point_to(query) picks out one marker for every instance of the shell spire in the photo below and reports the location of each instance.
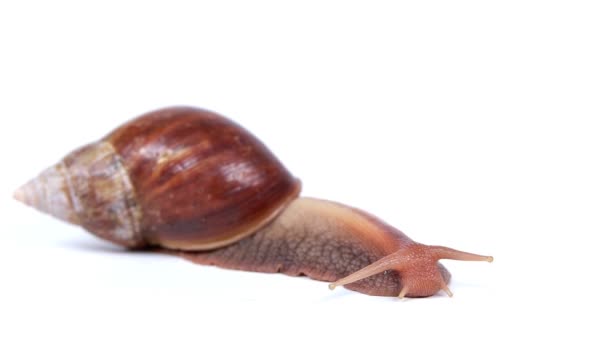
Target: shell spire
(48, 193)
(90, 188)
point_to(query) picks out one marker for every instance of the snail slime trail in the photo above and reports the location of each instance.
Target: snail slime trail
(193, 183)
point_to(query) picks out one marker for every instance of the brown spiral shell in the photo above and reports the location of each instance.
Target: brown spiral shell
(180, 177)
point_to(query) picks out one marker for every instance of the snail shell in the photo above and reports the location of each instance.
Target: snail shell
(180, 178)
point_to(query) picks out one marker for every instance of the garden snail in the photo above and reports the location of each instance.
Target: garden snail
(193, 183)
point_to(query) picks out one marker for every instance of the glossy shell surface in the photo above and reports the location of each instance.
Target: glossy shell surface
(180, 177)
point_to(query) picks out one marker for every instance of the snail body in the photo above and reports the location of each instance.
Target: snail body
(193, 183)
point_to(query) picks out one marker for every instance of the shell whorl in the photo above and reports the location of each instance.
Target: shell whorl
(89, 187)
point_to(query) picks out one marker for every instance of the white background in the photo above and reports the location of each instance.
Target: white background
(479, 125)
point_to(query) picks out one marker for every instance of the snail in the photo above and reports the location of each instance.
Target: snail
(191, 182)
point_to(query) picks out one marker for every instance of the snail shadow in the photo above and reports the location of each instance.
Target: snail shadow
(96, 246)
(337, 294)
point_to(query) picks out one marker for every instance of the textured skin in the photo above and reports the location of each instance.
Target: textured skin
(318, 239)
(201, 180)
